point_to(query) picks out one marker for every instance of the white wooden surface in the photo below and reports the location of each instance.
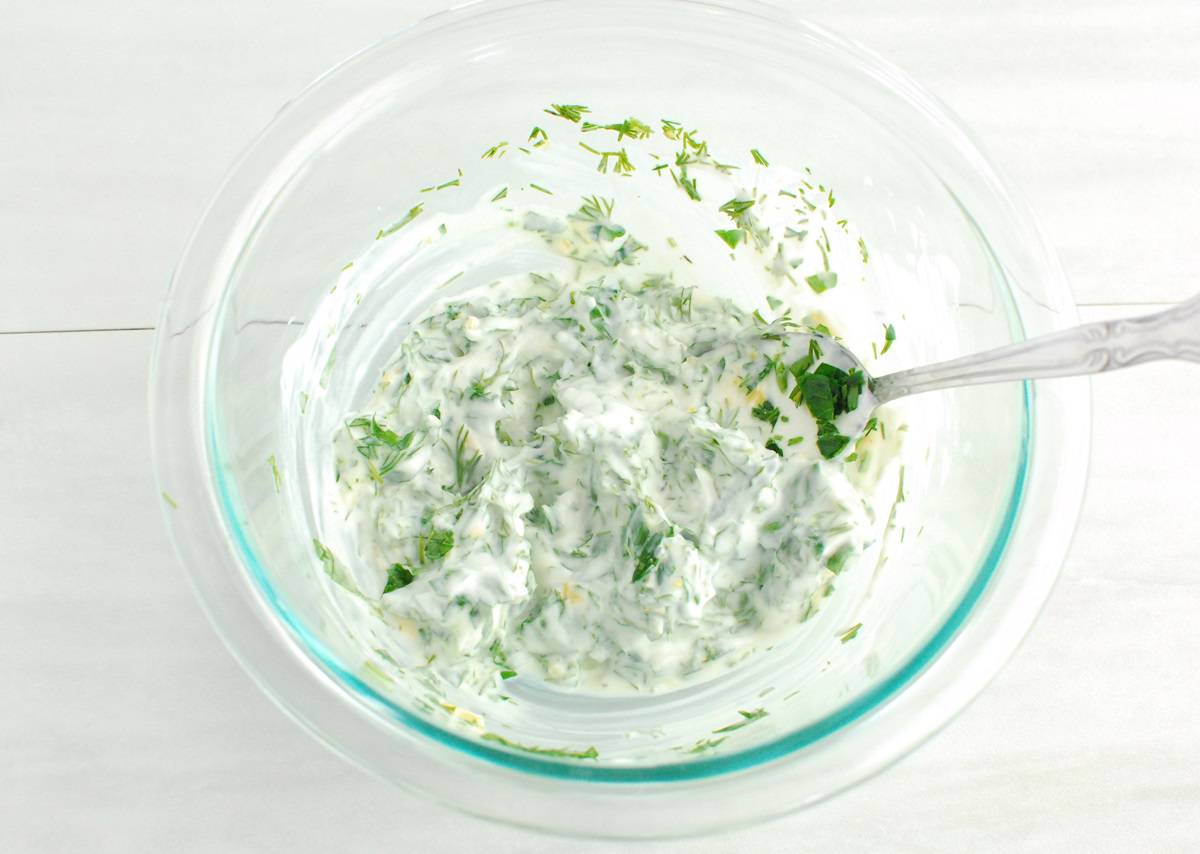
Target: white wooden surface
(125, 726)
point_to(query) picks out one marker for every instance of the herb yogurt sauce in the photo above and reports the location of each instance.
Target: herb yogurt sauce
(613, 483)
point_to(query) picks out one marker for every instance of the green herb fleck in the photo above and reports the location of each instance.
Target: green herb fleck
(496, 151)
(829, 441)
(500, 195)
(631, 128)
(747, 719)
(412, 214)
(590, 753)
(889, 335)
(642, 545)
(622, 165)
(540, 189)
(758, 157)
(731, 236)
(538, 137)
(275, 472)
(766, 411)
(570, 112)
(821, 282)
(464, 464)
(818, 396)
(332, 568)
(851, 633)
(705, 744)
(735, 208)
(436, 546)
(837, 561)
(398, 576)
(167, 498)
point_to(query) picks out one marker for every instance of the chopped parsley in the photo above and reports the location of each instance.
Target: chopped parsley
(731, 236)
(398, 576)
(435, 546)
(766, 411)
(821, 282)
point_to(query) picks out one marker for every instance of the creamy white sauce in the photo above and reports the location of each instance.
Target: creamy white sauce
(571, 482)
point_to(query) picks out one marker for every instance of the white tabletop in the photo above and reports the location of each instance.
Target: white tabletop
(126, 726)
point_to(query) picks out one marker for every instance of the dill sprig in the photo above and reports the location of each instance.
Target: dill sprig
(631, 128)
(570, 112)
(747, 719)
(373, 440)
(598, 211)
(453, 182)
(622, 164)
(412, 214)
(495, 151)
(590, 753)
(465, 465)
(538, 137)
(735, 208)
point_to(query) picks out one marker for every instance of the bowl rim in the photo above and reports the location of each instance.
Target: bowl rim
(177, 359)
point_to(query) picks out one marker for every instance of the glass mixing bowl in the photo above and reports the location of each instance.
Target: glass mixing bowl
(991, 501)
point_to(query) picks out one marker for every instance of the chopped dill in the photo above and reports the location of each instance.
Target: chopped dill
(590, 753)
(412, 214)
(275, 472)
(631, 128)
(570, 112)
(496, 151)
(747, 719)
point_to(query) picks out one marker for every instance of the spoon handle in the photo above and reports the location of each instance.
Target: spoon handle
(1094, 347)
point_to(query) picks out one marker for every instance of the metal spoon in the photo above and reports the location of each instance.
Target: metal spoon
(1088, 349)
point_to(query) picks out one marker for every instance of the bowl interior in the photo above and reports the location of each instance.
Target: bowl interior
(412, 114)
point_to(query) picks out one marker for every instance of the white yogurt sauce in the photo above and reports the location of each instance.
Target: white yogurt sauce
(601, 485)
(598, 476)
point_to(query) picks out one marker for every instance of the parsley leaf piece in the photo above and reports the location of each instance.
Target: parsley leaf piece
(829, 441)
(819, 396)
(398, 576)
(731, 236)
(437, 545)
(766, 411)
(821, 282)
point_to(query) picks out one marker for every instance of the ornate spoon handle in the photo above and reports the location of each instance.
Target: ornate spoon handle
(1088, 349)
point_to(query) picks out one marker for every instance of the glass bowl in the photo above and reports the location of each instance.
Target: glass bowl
(993, 484)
